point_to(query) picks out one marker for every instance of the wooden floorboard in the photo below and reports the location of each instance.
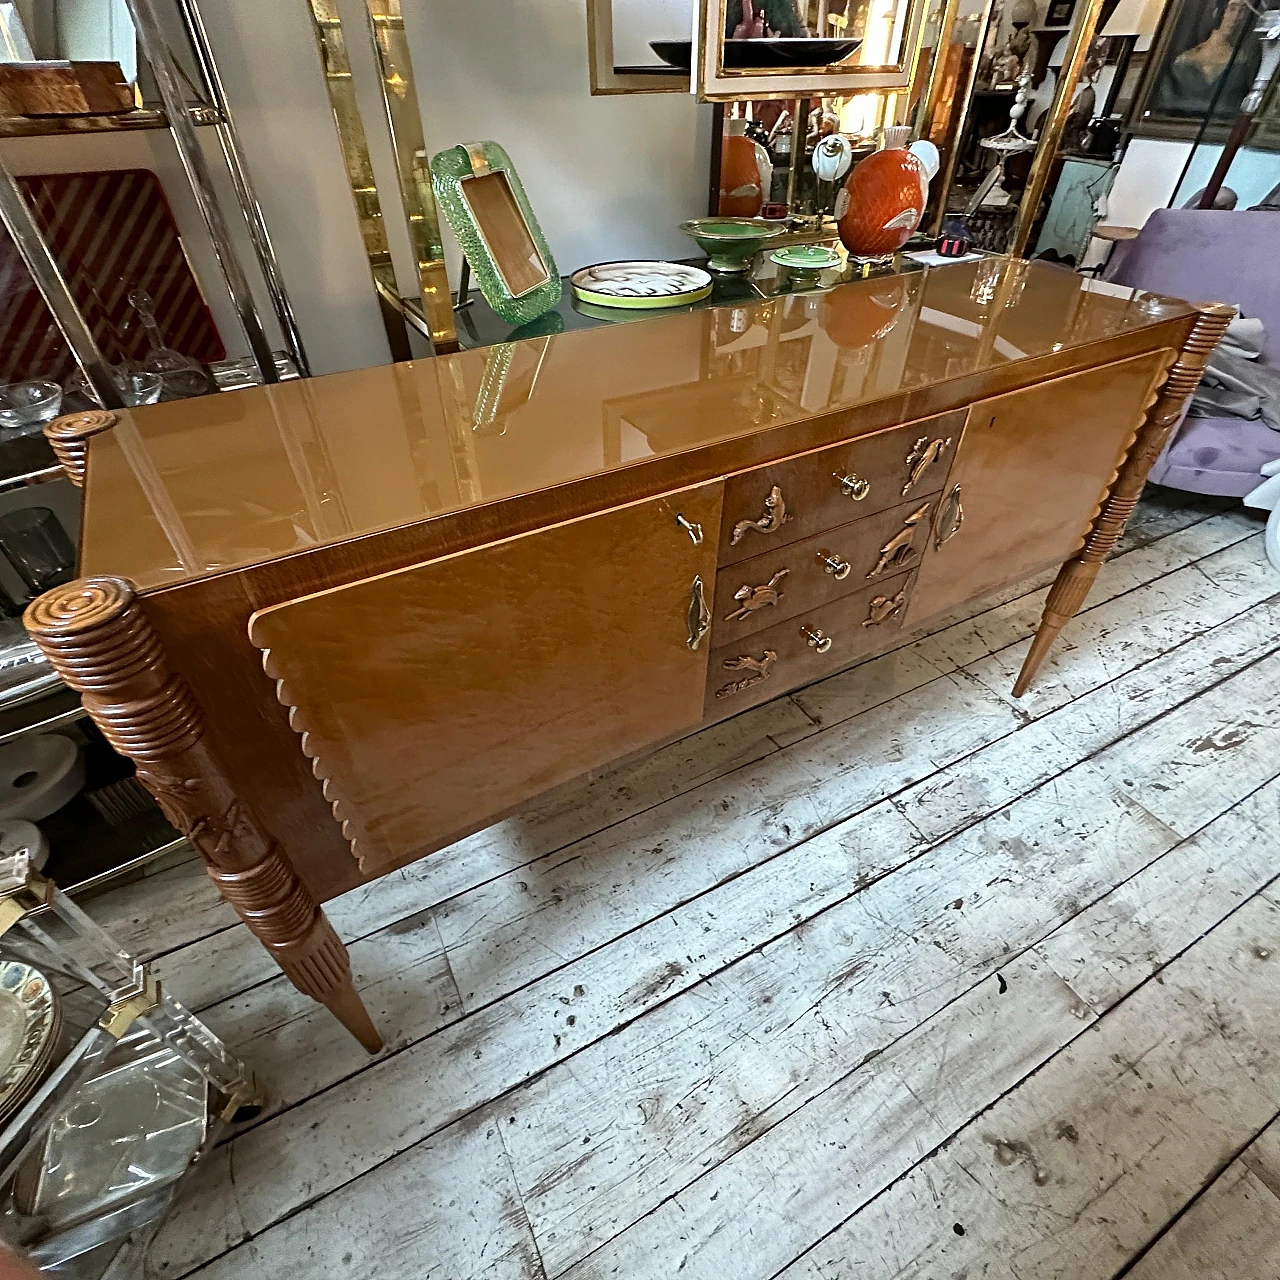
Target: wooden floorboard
(742, 1006)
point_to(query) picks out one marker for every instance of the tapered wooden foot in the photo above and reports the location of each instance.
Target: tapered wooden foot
(97, 638)
(1163, 411)
(1066, 596)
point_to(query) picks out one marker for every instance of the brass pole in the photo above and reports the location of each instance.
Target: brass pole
(951, 153)
(933, 90)
(1051, 135)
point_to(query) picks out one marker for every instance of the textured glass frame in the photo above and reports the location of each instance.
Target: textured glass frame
(450, 170)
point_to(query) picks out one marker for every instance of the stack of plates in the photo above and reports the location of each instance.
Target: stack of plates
(30, 1029)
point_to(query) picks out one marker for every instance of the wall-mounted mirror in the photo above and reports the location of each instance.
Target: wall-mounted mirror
(799, 48)
(620, 39)
(730, 50)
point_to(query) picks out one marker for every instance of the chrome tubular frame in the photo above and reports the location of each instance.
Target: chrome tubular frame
(150, 34)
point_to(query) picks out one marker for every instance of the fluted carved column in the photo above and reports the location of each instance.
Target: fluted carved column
(95, 635)
(1077, 576)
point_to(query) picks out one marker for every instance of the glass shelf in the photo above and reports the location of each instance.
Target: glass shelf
(48, 126)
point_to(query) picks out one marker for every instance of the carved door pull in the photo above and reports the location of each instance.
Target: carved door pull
(761, 668)
(853, 485)
(837, 568)
(950, 518)
(885, 607)
(752, 598)
(924, 453)
(699, 614)
(901, 547)
(775, 516)
(693, 530)
(816, 640)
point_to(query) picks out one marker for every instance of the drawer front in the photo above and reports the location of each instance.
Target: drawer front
(788, 501)
(767, 589)
(794, 653)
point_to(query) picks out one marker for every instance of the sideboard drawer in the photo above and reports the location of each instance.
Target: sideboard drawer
(793, 653)
(769, 588)
(788, 501)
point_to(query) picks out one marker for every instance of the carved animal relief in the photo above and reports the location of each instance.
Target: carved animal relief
(775, 516)
(752, 598)
(885, 607)
(924, 453)
(761, 668)
(901, 547)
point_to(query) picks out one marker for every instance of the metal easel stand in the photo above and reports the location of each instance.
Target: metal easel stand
(136, 1018)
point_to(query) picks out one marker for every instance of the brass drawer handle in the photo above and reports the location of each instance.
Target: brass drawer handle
(902, 546)
(693, 530)
(950, 518)
(924, 453)
(853, 485)
(699, 614)
(837, 568)
(817, 640)
(760, 668)
(775, 516)
(751, 598)
(883, 608)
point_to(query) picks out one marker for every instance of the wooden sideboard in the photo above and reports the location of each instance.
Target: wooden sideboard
(341, 623)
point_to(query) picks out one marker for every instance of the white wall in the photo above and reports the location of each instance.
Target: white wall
(608, 177)
(1149, 175)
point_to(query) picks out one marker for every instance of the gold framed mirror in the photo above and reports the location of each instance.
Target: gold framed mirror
(765, 49)
(619, 50)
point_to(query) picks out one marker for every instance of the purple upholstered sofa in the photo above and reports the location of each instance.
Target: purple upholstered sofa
(1216, 255)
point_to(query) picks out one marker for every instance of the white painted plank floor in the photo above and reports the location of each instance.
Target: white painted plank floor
(894, 977)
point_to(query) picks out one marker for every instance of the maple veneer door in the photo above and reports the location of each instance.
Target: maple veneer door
(1030, 471)
(439, 696)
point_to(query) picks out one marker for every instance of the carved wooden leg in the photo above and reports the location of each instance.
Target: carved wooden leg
(1077, 576)
(97, 638)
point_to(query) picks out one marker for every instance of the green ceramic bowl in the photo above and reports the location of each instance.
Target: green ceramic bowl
(806, 261)
(730, 243)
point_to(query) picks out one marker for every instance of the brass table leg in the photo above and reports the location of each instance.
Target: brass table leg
(1077, 576)
(96, 636)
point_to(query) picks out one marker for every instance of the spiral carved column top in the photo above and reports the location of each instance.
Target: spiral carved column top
(94, 634)
(69, 435)
(97, 638)
(1209, 327)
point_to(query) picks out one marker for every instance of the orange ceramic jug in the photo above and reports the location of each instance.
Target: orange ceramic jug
(882, 203)
(745, 174)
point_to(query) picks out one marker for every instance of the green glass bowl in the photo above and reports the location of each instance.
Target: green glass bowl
(730, 243)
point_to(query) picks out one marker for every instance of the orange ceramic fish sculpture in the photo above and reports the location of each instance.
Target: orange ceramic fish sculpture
(882, 203)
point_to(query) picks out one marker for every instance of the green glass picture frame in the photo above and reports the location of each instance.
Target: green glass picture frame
(480, 192)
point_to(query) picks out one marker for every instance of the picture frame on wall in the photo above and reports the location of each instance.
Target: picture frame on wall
(1059, 13)
(1203, 60)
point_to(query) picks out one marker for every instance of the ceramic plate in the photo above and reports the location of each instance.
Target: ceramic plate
(806, 257)
(640, 285)
(30, 1021)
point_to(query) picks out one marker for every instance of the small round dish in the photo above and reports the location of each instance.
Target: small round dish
(805, 261)
(30, 1024)
(640, 285)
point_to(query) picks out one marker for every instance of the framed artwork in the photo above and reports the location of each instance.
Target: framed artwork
(1059, 13)
(1204, 58)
